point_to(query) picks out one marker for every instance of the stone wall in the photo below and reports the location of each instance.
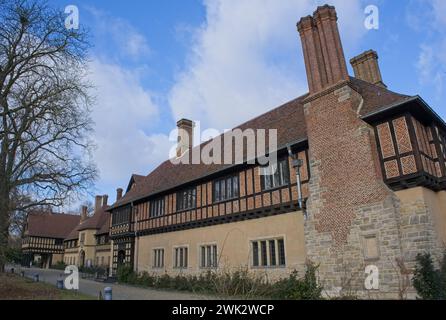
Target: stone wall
(353, 217)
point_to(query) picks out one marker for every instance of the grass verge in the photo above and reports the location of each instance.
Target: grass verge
(14, 287)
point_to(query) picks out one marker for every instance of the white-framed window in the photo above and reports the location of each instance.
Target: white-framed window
(158, 258)
(208, 256)
(268, 253)
(180, 257)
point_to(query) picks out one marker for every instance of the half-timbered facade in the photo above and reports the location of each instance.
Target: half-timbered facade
(43, 241)
(88, 244)
(360, 179)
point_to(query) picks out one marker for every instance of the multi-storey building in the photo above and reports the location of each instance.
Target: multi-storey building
(369, 189)
(88, 243)
(81, 240)
(43, 240)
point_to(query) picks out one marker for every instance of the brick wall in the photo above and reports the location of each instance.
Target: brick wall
(349, 204)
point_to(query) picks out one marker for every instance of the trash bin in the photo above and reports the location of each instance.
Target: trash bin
(59, 284)
(36, 277)
(108, 293)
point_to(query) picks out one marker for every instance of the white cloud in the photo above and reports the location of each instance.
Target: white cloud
(431, 63)
(247, 59)
(123, 114)
(127, 40)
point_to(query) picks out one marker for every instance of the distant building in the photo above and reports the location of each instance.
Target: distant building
(43, 241)
(88, 244)
(75, 240)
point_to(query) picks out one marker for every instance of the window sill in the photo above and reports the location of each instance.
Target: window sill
(268, 267)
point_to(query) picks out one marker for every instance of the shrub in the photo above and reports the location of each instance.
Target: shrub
(60, 265)
(429, 282)
(14, 255)
(294, 288)
(240, 283)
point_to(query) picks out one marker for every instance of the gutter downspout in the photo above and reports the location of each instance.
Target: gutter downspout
(297, 164)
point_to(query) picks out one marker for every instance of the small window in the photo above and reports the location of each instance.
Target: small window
(180, 258)
(157, 208)
(208, 256)
(187, 199)
(276, 175)
(268, 253)
(82, 238)
(226, 188)
(158, 258)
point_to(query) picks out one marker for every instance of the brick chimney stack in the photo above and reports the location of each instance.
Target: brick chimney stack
(366, 67)
(119, 194)
(97, 203)
(104, 200)
(84, 214)
(185, 136)
(321, 43)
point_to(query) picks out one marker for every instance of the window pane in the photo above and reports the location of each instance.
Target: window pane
(281, 246)
(181, 257)
(272, 252)
(203, 257)
(185, 257)
(222, 190)
(162, 258)
(214, 256)
(255, 254)
(285, 172)
(217, 191)
(235, 186)
(263, 252)
(229, 188)
(209, 256)
(276, 176)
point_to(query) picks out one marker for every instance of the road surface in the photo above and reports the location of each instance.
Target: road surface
(120, 292)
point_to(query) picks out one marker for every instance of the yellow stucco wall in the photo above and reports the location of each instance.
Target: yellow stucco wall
(435, 201)
(56, 258)
(98, 255)
(233, 242)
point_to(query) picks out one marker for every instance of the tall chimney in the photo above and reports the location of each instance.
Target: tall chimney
(366, 67)
(323, 54)
(119, 194)
(97, 203)
(104, 200)
(185, 136)
(84, 214)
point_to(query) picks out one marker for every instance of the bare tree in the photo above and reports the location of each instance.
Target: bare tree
(44, 110)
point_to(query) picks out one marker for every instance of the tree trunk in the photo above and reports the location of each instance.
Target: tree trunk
(4, 226)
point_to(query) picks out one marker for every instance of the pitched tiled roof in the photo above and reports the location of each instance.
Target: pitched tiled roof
(51, 225)
(289, 121)
(100, 221)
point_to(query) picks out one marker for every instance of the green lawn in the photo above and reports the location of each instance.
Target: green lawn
(14, 287)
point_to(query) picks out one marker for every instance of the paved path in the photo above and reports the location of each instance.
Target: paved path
(120, 292)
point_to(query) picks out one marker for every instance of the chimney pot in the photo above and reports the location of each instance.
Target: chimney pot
(119, 194)
(104, 200)
(84, 214)
(366, 68)
(97, 203)
(185, 136)
(322, 48)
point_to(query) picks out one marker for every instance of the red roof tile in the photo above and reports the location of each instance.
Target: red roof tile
(51, 225)
(289, 121)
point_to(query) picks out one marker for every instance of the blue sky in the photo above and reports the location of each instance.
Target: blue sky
(223, 62)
